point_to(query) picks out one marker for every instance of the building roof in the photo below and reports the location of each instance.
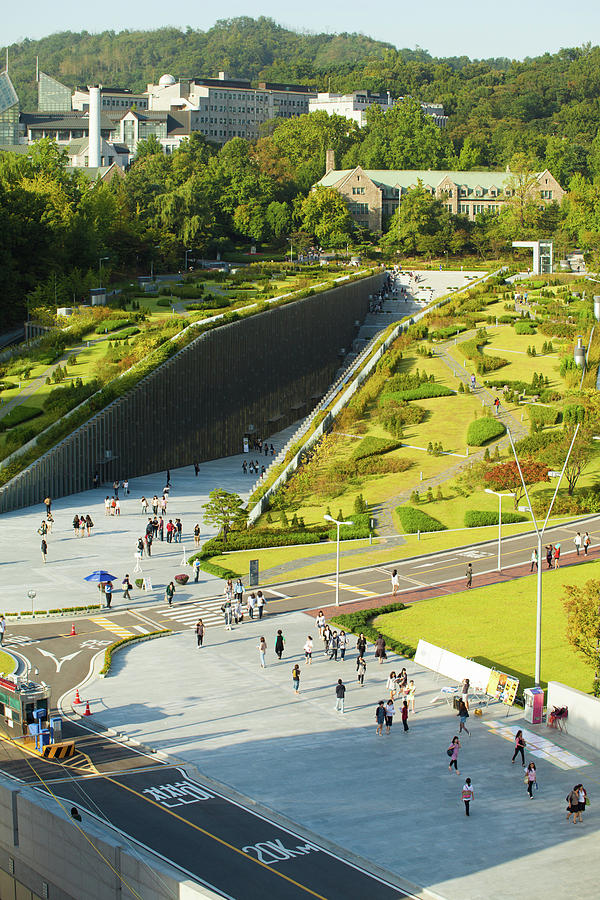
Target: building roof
(23, 149)
(8, 95)
(74, 119)
(79, 146)
(104, 173)
(407, 178)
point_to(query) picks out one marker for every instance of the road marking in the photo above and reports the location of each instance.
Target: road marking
(141, 630)
(58, 662)
(351, 588)
(110, 626)
(214, 837)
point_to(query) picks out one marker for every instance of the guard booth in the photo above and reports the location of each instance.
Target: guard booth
(19, 700)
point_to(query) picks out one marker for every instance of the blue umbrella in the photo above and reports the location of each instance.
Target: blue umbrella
(100, 575)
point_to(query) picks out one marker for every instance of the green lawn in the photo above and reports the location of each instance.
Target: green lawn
(7, 663)
(495, 626)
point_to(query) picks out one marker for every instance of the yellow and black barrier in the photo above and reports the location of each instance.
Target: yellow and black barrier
(59, 751)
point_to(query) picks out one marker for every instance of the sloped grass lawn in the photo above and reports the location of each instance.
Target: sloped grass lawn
(495, 626)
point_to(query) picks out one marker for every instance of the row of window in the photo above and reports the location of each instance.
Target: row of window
(358, 190)
(358, 208)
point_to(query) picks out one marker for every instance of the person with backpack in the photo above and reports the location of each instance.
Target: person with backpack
(199, 632)
(296, 678)
(587, 542)
(467, 794)
(169, 591)
(530, 779)
(126, 585)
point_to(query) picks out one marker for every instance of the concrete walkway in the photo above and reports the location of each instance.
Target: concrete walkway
(391, 798)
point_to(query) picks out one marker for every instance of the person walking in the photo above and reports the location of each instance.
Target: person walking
(126, 486)
(144, 505)
(169, 591)
(520, 744)
(2, 628)
(227, 613)
(262, 649)
(334, 646)
(390, 711)
(161, 528)
(89, 524)
(76, 524)
(50, 522)
(48, 505)
(279, 644)
(464, 691)
(361, 668)
(296, 678)
(260, 604)
(469, 575)
(178, 531)
(572, 799)
(320, 622)
(577, 542)
(583, 802)
(107, 506)
(391, 685)
(196, 469)
(326, 638)
(149, 540)
(467, 795)
(549, 554)
(395, 582)
(140, 548)
(380, 649)
(340, 693)
(530, 779)
(238, 592)
(534, 560)
(199, 632)
(308, 650)
(196, 535)
(196, 568)
(44, 549)
(251, 604)
(380, 717)
(463, 715)
(404, 714)
(452, 752)
(411, 696)
(127, 586)
(108, 592)
(342, 643)
(361, 645)
(557, 556)
(586, 543)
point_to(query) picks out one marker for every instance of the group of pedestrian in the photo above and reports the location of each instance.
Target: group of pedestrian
(384, 715)
(158, 504)
(112, 506)
(253, 468)
(82, 525)
(233, 604)
(401, 688)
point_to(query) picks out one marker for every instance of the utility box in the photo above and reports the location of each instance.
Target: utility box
(56, 729)
(534, 705)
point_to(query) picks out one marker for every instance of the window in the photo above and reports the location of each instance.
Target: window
(546, 195)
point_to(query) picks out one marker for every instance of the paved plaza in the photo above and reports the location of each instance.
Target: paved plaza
(389, 799)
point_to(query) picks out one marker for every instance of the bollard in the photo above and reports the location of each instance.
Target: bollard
(467, 451)
(419, 535)
(521, 417)
(420, 476)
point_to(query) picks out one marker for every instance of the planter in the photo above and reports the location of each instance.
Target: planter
(182, 579)
(139, 583)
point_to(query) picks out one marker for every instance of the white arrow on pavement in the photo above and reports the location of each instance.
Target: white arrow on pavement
(63, 659)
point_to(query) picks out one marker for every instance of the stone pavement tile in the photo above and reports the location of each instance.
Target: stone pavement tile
(390, 799)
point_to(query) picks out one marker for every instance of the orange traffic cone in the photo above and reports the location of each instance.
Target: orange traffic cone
(73, 632)
(87, 709)
(77, 697)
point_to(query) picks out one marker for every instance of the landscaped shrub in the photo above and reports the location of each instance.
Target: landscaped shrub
(483, 362)
(476, 518)
(483, 430)
(18, 415)
(525, 326)
(443, 334)
(542, 415)
(118, 645)
(360, 621)
(373, 446)
(423, 392)
(127, 333)
(250, 540)
(413, 520)
(573, 413)
(109, 325)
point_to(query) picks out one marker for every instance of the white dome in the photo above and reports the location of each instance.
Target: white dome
(167, 79)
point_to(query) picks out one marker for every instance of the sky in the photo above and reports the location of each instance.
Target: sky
(512, 28)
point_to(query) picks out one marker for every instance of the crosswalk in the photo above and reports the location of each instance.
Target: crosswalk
(103, 622)
(189, 613)
(351, 588)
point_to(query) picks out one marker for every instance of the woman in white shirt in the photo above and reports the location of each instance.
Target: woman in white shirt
(320, 623)
(308, 648)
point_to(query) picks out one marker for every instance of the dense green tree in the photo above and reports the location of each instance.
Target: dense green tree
(326, 216)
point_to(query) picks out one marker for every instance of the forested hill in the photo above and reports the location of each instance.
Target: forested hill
(243, 47)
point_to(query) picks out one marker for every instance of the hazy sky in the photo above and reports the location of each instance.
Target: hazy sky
(513, 28)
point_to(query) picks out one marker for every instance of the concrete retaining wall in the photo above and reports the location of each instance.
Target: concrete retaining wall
(583, 721)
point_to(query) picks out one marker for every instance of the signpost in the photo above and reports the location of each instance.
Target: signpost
(253, 573)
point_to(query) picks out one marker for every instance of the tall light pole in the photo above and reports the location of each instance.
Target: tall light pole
(186, 255)
(337, 563)
(100, 261)
(499, 496)
(540, 536)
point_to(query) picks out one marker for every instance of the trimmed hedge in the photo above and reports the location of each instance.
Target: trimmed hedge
(251, 540)
(374, 446)
(414, 520)
(542, 415)
(573, 413)
(109, 325)
(525, 327)
(18, 415)
(483, 430)
(361, 621)
(118, 645)
(450, 331)
(423, 392)
(475, 518)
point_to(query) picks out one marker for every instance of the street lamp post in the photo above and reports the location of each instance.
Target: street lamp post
(540, 536)
(337, 556)
(186, 256)
(499, 496)
(100, 261)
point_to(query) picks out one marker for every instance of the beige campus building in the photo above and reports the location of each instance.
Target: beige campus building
(373, 195)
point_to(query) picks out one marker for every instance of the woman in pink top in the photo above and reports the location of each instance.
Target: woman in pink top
(453, 754)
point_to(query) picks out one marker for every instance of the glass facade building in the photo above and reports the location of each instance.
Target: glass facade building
(52, 95)
(9, 111)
